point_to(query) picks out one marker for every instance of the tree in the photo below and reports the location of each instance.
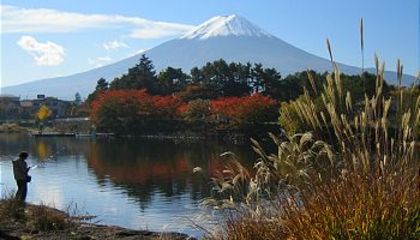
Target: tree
(77, 99)
(271, 81)
(101, 86)
(131, 111)
(237, 82)
(222, 79)
(141, 76)
(242, 110)
(257, 80)
(194, 91)
(198, 109)
(171, 80)
(41, 115)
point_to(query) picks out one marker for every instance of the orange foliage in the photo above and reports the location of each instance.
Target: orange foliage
(126, 110)
(254, 108)
(137, 102)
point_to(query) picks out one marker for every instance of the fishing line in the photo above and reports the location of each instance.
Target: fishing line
(41, 163)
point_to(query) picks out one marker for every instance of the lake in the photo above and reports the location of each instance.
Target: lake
(133, 183)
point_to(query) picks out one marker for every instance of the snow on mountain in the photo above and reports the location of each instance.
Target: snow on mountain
(232, 25)
(232, 38)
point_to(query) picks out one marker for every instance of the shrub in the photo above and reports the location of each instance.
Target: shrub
(198, 109)
(249, 109)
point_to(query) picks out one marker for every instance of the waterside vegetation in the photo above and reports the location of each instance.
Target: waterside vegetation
(219, 97)
(347, 167)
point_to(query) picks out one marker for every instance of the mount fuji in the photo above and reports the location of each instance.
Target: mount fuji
(232, 38)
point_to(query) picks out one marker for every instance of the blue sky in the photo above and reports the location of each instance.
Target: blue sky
(42, 39)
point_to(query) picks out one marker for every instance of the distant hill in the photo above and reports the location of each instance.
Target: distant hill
(232, 38)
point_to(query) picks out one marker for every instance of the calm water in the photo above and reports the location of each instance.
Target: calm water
(140, 184)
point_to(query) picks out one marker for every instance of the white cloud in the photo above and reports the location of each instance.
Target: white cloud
(42, 20)
(137, 52)
(44, 54)
(99, 61)
(114, 45)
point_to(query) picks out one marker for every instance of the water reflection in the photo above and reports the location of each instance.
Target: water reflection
(41, 149)
(144, 167)
(130, 182)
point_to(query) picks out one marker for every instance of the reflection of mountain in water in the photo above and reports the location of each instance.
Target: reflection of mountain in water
(145, 168)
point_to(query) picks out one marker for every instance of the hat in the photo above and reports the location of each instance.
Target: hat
(23, 155)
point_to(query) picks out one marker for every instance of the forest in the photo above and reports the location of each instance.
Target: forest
(219, 96)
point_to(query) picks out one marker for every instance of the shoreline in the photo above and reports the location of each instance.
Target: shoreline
(48, 223)
(235, 138)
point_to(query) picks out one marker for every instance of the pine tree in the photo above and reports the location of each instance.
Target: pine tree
(141, 76)
(102, 85)
(171, 80)
(77, 99)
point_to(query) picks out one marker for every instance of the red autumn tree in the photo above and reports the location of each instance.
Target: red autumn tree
(250, 109)
(126, 110)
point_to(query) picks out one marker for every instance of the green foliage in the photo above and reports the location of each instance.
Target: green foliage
(77, 99)
(195, 91)
(198, 109)
(171, 80)
(223, 79)
(101, 86)
(288, 118)
(141, 76)
(294, 117)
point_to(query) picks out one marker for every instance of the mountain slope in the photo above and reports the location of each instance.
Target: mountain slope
(231, 38)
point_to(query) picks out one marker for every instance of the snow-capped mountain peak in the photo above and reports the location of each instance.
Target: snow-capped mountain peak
(232, 25)
(232, 38)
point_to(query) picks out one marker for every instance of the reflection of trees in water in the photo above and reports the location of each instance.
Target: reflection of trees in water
(144, 168)
(11, 144)
(41, 148)
(141, 167)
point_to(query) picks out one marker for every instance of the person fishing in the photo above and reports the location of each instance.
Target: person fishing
(20, 172)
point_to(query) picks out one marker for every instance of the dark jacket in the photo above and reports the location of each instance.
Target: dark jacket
(20, 169)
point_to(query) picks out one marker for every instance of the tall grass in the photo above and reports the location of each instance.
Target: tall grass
(28, 217)
(11, 209)
(354, 175)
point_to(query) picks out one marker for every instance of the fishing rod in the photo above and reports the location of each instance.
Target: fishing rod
(49, 158)
(40, 165)
(42, 162)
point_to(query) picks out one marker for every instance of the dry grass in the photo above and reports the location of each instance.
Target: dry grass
(35, 217)
(44, 218)
(11, 209)
(12, 128)
(348, 208)
(355, 175)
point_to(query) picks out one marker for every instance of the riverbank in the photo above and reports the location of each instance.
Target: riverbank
(46, 223)
(13, 128)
